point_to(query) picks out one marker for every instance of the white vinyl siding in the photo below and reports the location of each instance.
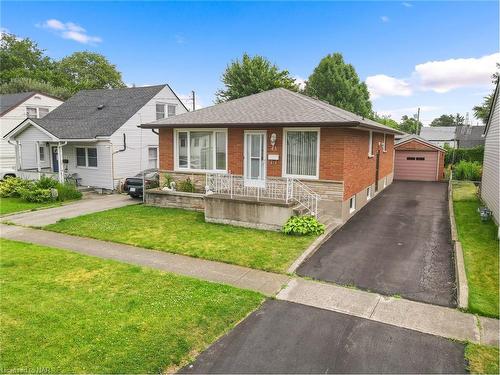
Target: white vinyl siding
(490, 182)
(301, 153)
(201, 149)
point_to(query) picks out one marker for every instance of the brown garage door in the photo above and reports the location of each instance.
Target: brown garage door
(415, 165)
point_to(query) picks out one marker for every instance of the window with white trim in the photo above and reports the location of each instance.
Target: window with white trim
(384, 148)
(86, 157)
(203, 150)
(352, 204)
(42, 153)
(368, 193)
(171, 108)
(301, 153)
(31, 112)
(370, 144)
(42, 112)
(152, 157)
(160, 111)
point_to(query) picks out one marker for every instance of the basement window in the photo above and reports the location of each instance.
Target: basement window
(370, 144)
(352, 204)
(368, 193)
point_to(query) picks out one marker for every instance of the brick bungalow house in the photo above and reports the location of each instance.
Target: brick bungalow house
(277, 145)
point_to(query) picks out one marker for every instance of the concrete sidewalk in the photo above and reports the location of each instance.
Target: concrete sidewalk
(91, 203)
(436, 320)
(417, 316)
(265, 282)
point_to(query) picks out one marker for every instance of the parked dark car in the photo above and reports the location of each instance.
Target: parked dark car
(133, 185)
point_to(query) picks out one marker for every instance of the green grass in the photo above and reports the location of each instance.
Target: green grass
(482, 359)
(70, 313)
(464, 191)
(186, 232)
(480, 245)
(10, 205)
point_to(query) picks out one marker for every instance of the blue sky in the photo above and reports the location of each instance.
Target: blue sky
(436, 55)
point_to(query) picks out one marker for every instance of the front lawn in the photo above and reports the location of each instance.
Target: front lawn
(480, 245)
(482, 359)
(10, 205)
(62, 312)
(186, 232)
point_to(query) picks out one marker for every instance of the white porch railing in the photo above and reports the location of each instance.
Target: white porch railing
(35, 175)
(284, 189)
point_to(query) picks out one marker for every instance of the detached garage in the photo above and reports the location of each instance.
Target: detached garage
(417, 159)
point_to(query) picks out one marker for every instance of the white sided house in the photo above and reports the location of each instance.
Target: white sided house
(490, 189)
(94, 137)
(14, 108)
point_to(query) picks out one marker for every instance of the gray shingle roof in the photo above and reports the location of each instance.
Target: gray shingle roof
(9, 101)
(279, 107)
(409, 137)
(438, 133)
(470, 136)
(80, 117)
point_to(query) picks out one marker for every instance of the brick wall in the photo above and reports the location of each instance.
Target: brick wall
(343, 157)
(359, 168)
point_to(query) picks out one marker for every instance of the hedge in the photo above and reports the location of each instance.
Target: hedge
(454, 156)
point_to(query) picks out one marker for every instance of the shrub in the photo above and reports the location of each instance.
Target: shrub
(455, 156)
(186, 186)
(36, 195)
(467, 170)
(303, 225)
(67, 191)
(46, 183)
(11, 187)
(167, 180)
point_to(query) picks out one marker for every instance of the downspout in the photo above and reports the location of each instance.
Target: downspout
(113, 158)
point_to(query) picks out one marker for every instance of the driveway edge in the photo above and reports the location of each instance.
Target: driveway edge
(460, 275)
(329, 231)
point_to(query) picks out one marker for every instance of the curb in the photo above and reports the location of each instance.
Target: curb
(460, 275)
(329, 231)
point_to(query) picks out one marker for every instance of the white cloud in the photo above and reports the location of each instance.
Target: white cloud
(438, 76)
(384, 19)
(406, 4)
(382, 85)
(300, 81)
(70, 30)
(446, 75)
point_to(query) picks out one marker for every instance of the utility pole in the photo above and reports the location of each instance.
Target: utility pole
(194, 100)
(417, 116)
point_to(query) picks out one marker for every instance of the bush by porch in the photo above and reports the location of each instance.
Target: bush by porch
(186, 232)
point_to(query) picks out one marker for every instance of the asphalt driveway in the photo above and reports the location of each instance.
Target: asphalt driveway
(398, 244)
(284, 337)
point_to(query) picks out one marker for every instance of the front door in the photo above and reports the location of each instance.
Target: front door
(255, 159)
(55, 159)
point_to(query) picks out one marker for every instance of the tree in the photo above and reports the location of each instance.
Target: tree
(88, 70)
(23, 58)
(387, 121)
(410, 125)
(444, 120)
(482, 111)
(448, 120)
(250, 76)
(337, 83)
(16, 85)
